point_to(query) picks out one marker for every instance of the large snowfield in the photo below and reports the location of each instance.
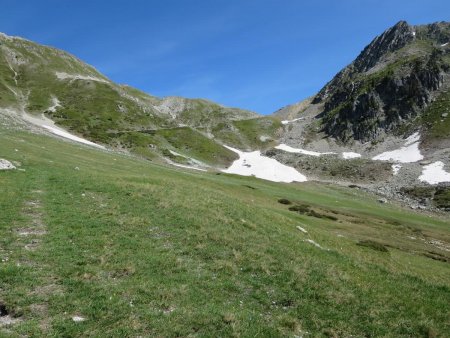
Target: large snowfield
(254, 164)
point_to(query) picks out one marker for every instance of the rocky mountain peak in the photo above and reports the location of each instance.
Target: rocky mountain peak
(392, 82)
(391, 40)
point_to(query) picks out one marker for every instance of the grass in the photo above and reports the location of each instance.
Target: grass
(140, 249)
(193, 144)
(373, 245)
(438, 126)
(258, 133)
(107, 113)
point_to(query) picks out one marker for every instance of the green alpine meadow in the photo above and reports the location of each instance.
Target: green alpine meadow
(140, 249)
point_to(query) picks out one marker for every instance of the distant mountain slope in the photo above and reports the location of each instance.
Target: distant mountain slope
(39, 79)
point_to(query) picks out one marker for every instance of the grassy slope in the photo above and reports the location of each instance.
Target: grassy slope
(247, 133)
(141, 249)
(438, 126)
(105, 112)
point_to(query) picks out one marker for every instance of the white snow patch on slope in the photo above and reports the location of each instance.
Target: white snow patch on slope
(350, 155)
(254, 164)
(186, 166)
(290, 149)
(445, 44)
(412, 139)
(290, 121)
(6, 165)
(191, 159)
(302, 229)
(407, 154)
(65, 76)
(315, 244)
(48, 124)
(55, 104)
(396, 168)
(434, 173)
(175, 153)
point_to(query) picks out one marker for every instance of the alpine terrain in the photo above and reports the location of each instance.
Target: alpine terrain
(383, 122)
(123, 214)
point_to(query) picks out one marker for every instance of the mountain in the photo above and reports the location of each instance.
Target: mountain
(382, 122)
(99, 242)
(400, 82)
(36, 79)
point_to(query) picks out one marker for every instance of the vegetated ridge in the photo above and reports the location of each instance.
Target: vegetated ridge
(36, 79)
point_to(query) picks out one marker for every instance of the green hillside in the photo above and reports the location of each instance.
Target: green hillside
(38, 79)
(139, 249)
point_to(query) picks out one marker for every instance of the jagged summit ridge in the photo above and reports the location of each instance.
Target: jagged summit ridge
(393, 80)
(391, 40)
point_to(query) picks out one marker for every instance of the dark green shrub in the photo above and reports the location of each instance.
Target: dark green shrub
(372, 245)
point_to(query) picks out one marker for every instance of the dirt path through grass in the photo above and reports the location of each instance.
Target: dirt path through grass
(32, 234)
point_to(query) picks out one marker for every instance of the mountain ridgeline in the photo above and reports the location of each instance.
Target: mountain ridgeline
(36, 79)
(399, 82)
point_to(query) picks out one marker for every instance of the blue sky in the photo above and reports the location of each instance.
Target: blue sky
(254, 54)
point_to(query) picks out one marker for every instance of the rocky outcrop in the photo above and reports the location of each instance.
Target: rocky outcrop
(392, 81)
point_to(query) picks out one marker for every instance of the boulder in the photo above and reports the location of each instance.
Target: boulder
(6, 165)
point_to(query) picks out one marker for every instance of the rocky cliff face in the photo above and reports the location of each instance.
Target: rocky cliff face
(393, 81)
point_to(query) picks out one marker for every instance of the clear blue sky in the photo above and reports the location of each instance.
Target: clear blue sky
(254, 54)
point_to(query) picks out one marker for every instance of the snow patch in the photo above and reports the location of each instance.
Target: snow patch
(301, 229)
(407, 154)
(290, 149)
(396, 168)
(254, 164)
(6, 165)
(48, 124)
(55, 104)
(175, 153)
(445, 44)
(350, 155)
(186, 166)
(434, 173)
(191, 159)
(412, 139)
(315, 244)
(290, 121)
(65, 76)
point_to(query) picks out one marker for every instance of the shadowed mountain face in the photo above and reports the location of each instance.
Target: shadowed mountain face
(399, 82)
